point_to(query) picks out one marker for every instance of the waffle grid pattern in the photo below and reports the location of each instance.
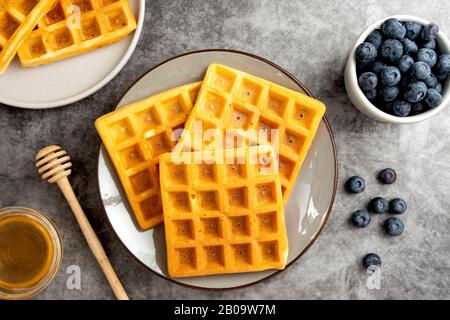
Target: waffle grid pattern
(235, 101)
(223, 216)
(135, 136)
(17, 20)
(61, 34)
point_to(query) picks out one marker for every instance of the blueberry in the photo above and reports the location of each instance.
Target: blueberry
(368, 81)
(366, 53)
(391, 50)
(413, 29)
(387, 176)
(441, 77)
(375, 38)
(371, 94)
(390, 76)
(370, 260)
(438, 88)
(431, 81)
(379, 205)
(443, 64)
(420, 71)
(361, 218)
(404, 63)
(409, 47)
(416, 91)
(428, 56)
(430, 32)
(418, 108)
(393, 29)
(401, 108)
(377, 67)
(389, 94)
(433, 98)
(394, 227)
(356, 184)
(397, 206)
(428, 44)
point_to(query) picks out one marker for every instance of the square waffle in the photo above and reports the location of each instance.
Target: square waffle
(135, 136)
(75, 27)
(17, 20)
(223, 212)
(238, 104)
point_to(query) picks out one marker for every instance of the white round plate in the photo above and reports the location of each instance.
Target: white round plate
(69, 80)
(310, 202)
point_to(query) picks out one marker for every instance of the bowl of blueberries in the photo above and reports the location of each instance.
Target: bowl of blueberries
(398, 70)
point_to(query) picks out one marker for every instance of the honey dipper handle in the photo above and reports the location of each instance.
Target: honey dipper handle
(92, 240)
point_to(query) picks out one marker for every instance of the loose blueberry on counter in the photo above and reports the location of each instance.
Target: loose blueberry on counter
(420, 71)
(366, 53)
(418, 108)
(393, 29)
(387, 176)
(409, 47)
(434, 98)
(443, 65)
(394, 227)
(378, 66)
(379, 205)
(413, 29)
(390, 76)
(370, 260)
(404, 63)
(375, 38)
(428, 44)
(391, 50)
(356, 184)
(430, 32)
(397, 206)
(416, 91)
(368, 81)
(428, 56)
(401, 108)
(389, 94)
(371, 94)
(361, 218)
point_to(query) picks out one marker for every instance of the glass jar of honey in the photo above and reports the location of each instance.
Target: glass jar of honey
(30, 252)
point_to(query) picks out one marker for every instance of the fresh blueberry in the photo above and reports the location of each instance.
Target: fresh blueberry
(441, 77)
(397, 206)
(404, 63)
(368, 81)
(366, 53)
(431, 81)
(370, 260)
(361, 218)
(430, 32)
(371, 94)
(420, 71)
(391, 50)
(379, 205)
(443, 64)
(433, 98)
(389, 94)
(428, 56)
(387, 176)
(416, 91)
(409, 47)
(390, 76)
(393, 29)
(377, 67)
(375, 38)
(413, 29)
(438, 88)
(418, 108)
(356, 184)
(394, 227)
(401, 108)
(428, 44)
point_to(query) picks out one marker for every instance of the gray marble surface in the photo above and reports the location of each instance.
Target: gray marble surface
(311, 39)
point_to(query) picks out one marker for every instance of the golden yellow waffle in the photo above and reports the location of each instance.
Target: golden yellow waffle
(135, 136)
(235, 101)
(74, 27)
(17, 20)
(223, 214)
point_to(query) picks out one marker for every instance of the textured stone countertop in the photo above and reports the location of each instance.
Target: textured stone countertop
(311, 39)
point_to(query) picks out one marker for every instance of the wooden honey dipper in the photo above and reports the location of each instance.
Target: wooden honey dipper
(54, 165)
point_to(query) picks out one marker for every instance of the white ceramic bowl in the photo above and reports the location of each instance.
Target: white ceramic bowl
(364, 105)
